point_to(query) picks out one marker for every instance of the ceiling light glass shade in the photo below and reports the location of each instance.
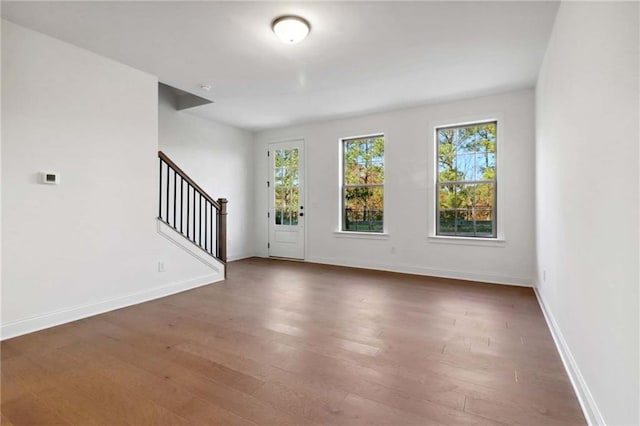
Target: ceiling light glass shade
(290, 29)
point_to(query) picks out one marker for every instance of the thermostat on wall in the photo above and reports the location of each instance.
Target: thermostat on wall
(50, 178)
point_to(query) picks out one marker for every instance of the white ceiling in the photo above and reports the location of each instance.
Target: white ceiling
(359, 57)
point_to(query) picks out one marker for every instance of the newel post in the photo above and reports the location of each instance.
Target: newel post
(222, 232)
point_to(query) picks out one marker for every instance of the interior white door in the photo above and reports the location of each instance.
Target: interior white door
(286, 199)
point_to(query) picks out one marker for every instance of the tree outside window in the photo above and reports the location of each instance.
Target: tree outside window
(286, 186)
(363, 184)
(466, 180)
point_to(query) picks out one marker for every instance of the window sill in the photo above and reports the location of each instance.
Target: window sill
(467, 241)
(362, 235)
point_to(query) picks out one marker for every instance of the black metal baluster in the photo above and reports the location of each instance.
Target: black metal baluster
(214, 235)
(196, 235)
(160, 192)
(193, 235)
(200, 220)
(175, 188)
(212, 245)
(217, 232)
(204, 219)
(167, 218)
(206, 224)
(188, 202)
(181, 202)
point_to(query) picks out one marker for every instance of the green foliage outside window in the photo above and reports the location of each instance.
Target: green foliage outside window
(363, 180)
(467, 180)
(286, 187)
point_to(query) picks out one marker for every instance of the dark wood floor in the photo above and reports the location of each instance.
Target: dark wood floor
(286, 343)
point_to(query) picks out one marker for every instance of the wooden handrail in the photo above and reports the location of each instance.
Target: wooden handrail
(187, 179)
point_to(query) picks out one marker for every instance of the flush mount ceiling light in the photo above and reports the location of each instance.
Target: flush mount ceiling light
(290, 29)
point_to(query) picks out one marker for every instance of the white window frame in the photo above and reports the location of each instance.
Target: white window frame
(341, 232)
(432, 237)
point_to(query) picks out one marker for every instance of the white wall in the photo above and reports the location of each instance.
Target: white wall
(220, 159)
(0, 174)
(409, 198)
(91, 243)
(587, 202)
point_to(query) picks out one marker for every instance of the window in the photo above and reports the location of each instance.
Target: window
(466, 180)
(363, 184)
(286, 186)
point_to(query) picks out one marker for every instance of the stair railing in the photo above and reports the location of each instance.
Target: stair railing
(189, 210)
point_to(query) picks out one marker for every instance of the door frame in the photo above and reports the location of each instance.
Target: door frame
(303, 141)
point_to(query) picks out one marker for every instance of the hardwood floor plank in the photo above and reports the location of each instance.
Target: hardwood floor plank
(216, 371)
(356, 410)
(529, 414)
(20, 375)
(305, 405)
(29, 410)
(104, 402)
(4, 420)
(291, 343)
(7, 351)
(220, 394)
(163, 392)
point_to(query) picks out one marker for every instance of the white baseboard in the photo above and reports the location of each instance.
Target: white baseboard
(240, 257)
(51, 319)
(587, 402)
(431, 272)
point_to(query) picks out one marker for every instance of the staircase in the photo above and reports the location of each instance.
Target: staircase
(187, 209)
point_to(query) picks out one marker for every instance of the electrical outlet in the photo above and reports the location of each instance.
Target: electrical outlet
(161, 267)
(544, 275)
(393, 249)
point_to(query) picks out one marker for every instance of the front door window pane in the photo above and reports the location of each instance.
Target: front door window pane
(286, 187)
